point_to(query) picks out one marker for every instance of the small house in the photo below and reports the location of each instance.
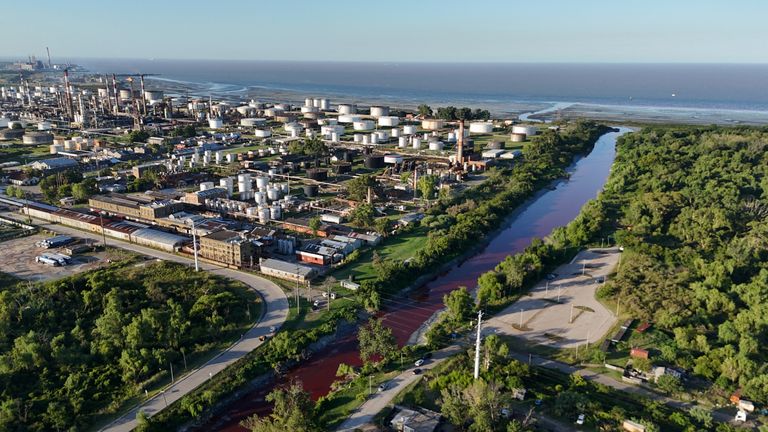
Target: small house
(639, 353)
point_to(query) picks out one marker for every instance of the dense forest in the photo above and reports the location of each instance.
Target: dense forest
(80, 346)
(692, 212)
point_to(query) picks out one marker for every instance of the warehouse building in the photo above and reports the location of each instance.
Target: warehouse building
(229, 247)
(286, 270)
(140, 171)
(131, 206)
(158, 239)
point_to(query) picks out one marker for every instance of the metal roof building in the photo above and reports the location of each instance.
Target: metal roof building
(158, 239)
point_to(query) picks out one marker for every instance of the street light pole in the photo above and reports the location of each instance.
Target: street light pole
(194, 245)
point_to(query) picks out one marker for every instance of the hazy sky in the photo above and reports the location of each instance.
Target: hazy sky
(415, 30)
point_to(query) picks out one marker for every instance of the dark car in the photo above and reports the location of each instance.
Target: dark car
(427, 356)
(416, 371)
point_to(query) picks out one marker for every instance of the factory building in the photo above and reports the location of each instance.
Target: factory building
(229, 247)
(134, 207)
(140, 171)
(202, 196)
(54, 164)
(286, 270)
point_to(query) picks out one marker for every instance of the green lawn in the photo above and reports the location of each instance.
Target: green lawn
(14, 151)
(399, 247)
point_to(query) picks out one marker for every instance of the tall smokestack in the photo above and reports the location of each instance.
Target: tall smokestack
(50, 65)
(116, 93)
(68, 90)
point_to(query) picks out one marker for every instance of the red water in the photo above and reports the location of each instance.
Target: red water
(405, 314)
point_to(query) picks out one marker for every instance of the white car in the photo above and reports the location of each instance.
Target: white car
(419, 362)
(580, 419)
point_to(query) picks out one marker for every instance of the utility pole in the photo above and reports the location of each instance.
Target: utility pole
(194, 245)
(171, 365)
(521, 319)
(103, 233)
(329, 300)
(298, 298)
(570, 320)
(477, 344)
(370, 384)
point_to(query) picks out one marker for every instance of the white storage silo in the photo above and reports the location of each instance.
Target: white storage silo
(285, 187)
(206, 185)
(228, 184)
(218, 157)
(527, 130)
(335, 137)
(349, 118)
(325, 104)
(409, 129)
(402, 142)
(262, 182)
(358, 138)
(366, 139)
(262, 133)
(389, 121)
(251, 211)
(395, 132)
(363, 125)
(275, 212)
(260, 197)
(379, 111)
(416, 143)
(309, 109)
(436, 145)
(481, 127)
(273, 194)
(374, 138)
(264, 214)
(215, 123)
(308, 102)
(347, 109)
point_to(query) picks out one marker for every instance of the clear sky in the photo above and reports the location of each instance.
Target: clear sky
(730, 31)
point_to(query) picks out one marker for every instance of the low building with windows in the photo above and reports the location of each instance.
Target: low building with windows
(146, 208)
(288, 271)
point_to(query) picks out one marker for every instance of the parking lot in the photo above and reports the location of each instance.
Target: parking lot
(19, 260)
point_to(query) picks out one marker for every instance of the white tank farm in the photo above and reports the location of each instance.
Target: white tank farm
(481, 127)
(436, 145)
(327, 121)
(409, 129)
(275, 212)
(293, 127)
(527, 130)
(253, 122)
(389, 121)
(416, 143)
(402, 142)
(271, 112)
(347, 109)
(215, 123)
(244, 182)
(273, 194)
(363, 125)
(382, 135)
(432, 124)
(349, 118)
(330, 129)
(379, 111)
(309, 109)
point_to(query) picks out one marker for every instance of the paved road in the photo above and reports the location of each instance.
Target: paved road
(276, 312)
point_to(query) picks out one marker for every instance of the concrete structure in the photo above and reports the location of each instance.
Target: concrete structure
(55, 164)
(230, 248)
(200, 197)
(133, 207)
(140, 171)
(35, 138)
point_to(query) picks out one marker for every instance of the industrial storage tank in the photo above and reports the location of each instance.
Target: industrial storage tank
(317, 174)
(379, 111)
(402, 142)
(495, 145)
(389, 121)
(215, 123)
(153, 96)
(273, 194)
(527, 130)
(343, 168)
(309, 109)
(393, 159)
(37, 138)
(206, 185)
(263, 214)
(331, 129)
(349, 118)
(325, 104)
(262, 133)
(416, 143)
(347, 109)
(275, 212)
(228, 184)
(253, 122)
(358, 138)
(44, 126)
(363, 125)
(432, 124)
(251, 211)
(395, 132)
(374, 162)
(382, 135)
(481, 127)
(436, 145)
(310, 190)
(260, 197)
(328, 121)
(125, 95)
(409, 129)
(262, 182)
(517, 137)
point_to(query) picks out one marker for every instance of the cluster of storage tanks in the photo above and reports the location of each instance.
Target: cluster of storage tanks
(270, 198)
(315, 104)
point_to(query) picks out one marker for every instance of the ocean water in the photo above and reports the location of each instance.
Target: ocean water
(720, 87)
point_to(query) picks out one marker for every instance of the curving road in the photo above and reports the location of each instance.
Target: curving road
(275, 314)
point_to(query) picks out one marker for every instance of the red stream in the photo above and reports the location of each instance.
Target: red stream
(405, 314)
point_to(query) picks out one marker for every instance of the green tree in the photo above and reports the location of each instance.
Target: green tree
(293, 411)
(701, 415)
(363, 215)
(85, 189)
(424, 110)
(357, 188)
(383, 226)
(453, 406)
(669, 384)
(137, 136)
(459, 303)
(375, 342)
(314, 225)
(426, 185)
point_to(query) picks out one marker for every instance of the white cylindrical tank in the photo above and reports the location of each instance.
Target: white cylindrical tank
(325, 104)
(264, 215)
(527, 130)
(374, 138)
(347, 109)
(316, 102)
(218, 157)
(432, 124)
(366, 139)
(327, 121)
(273, 194)
(308, 102)
(260, 197)
(349, 118)
(517, 137)
(253, 122)
(389, 121)
(206, 185)
(275, 212)
(215, 123)
(409, 129)
(379, 111)
(293, 127)
(262, 133)
(363, 125)
(436, 145)
(309, 109)
(402, 142)
(44, 126)
(395, 132)
(228, 184)
(416, 143)
(251, 211)
(382, 135)
(481, 127)
(358, 138)
(393, 159)
(262, 182)
(55, 148)
(335, 137)
(329, 129)
(286, 188)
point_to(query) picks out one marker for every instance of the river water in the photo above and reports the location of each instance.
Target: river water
(405, 314)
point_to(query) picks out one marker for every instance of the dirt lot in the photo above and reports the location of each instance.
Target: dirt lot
(18, 259)
(562, 312)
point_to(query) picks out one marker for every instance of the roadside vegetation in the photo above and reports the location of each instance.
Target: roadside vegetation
(78, 348)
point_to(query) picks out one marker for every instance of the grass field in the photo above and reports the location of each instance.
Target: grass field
(400, 247)
(14, 151)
